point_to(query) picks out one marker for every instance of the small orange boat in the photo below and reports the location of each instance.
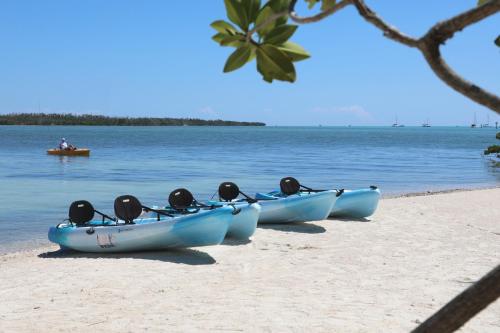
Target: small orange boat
(68, 152)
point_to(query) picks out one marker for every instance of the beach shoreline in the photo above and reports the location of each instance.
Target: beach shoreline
(436, 192)
(37, 244)
(386, 273)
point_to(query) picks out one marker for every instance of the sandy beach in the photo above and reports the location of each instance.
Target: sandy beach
(384, 274)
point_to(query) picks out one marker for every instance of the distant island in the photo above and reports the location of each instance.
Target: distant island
(99, 120)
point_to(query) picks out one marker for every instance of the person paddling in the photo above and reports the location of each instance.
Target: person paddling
(63, 145)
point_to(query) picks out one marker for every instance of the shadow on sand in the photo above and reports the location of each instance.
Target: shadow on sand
(305, 228)
(350, 219)
(177, 256)
(235, 242)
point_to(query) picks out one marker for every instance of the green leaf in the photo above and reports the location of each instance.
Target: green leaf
(218, 37)
(327, 4)
(224, 27)
(237, 14)
(230, 40)
(280, 34)
(272, 7)
(261, 18)
(294, 51)
(252, 9)
(275, 64)
(312, 3)
(238, 58)
(265, 76)
(279, 6)
(481, 2)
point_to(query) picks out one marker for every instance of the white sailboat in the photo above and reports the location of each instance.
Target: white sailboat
(487, 122)
(474, 124)
(397, 124)
(426, 124)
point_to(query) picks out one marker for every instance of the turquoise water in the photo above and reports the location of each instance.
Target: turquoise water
(149, 162)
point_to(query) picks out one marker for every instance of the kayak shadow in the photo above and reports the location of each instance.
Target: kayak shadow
(176, 256)
(236, 242)
(350, 219)
(300, 227)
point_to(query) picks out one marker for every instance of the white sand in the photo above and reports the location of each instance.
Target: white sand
(384, 275)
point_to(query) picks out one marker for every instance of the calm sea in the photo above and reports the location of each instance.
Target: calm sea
(149, 162)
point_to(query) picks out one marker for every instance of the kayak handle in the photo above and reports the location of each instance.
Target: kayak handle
(236, 211)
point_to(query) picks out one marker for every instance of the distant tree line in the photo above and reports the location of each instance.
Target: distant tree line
(99, 120)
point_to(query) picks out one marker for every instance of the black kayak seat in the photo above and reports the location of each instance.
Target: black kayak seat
(180, 199)
(81, 212)
(228, 191)
(289, 186)
(127, 208)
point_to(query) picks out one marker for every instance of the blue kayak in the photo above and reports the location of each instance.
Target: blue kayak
(298, 207)
(357, 203)
(350, 204)
(130, 233)
(289, 205)
(241, 225)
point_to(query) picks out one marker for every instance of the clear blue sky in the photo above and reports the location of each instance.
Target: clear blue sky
(156, 58)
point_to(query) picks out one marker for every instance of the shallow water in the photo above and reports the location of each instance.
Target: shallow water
(149, 162)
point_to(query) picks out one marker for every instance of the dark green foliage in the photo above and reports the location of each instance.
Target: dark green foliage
(495, 149)
(262, 35)
(97, 120)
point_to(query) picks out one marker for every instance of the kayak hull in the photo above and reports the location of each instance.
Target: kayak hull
(200, 229)
(63, 152)
(244, 224)
(296, 208)
(241, 225)
(356, 203)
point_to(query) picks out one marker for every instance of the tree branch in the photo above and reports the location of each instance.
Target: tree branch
(466, 305)
(430, 44)
(389, 31)
(318, 17)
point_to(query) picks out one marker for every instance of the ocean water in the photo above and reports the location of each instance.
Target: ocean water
(149, 162)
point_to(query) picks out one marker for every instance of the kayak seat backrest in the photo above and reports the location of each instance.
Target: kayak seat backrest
(127, 208)
(289, 186)
(81, 212)
(228, 191)
(180, 199)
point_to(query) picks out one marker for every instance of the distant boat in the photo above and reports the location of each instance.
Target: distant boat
(67, 152)
(487, 122)
(426, 124)
(396, 124)
(474, 124)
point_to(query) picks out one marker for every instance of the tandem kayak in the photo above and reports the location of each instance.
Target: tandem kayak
(292, 204)
(357, 203)
(300, 207)
(243, 222)
(241, 225)
(129, 233)
(67, 152)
